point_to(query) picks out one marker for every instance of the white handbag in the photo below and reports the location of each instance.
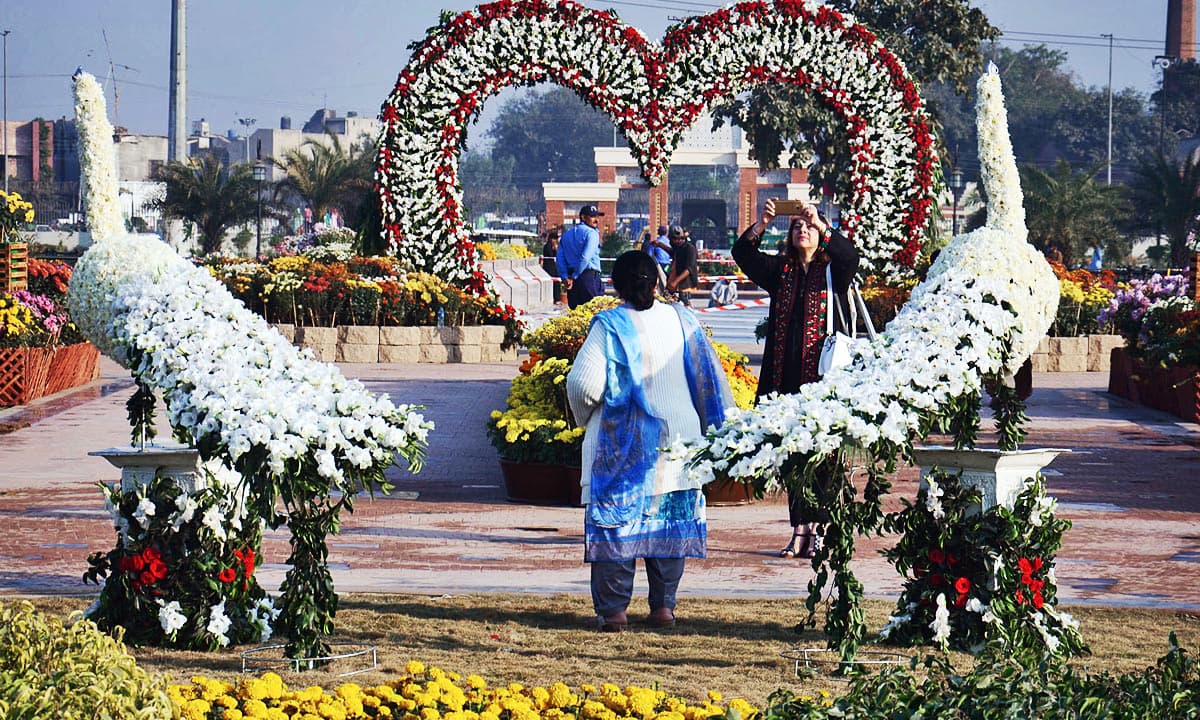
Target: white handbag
(838, 348)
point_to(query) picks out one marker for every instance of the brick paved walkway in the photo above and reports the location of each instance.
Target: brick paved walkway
(1130, 488)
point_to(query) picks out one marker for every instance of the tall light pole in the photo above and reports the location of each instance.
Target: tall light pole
(248, 123)
(1163, 62)
(5, 34)
(956, 188)
(260, 174)
(1110, 103)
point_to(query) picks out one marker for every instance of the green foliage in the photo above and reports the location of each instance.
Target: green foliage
(51, 671)
(548, 135)
(1169, 192)
(1008, 686)
(1073, 211)
(1181, 96)
(214, 196)
(990, 573)
(324, 174)
(140, 409)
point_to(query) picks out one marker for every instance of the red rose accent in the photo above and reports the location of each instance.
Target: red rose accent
(1020, 598)
(227, 575)
(962, 585)
(149, 555)
(1037, 585)
(147, 578)
(1037, 564)
(248, 562)
(1025, 566)
(961, 601)
(937, 556)
(136, 563)
(1037, 600)
(158, 569)
(951, 560)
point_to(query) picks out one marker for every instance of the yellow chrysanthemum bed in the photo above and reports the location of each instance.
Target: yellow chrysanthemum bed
(429, 693)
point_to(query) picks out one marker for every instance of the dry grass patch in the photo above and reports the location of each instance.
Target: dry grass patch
(732, 646)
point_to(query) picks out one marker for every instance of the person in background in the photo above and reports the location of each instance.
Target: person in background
(550, 263)
(795, 281)
(684, 273)
(724, 292)
(646, 376)
(578, 258)
(659, 248)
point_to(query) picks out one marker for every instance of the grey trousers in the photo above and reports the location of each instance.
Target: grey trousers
(612, 584)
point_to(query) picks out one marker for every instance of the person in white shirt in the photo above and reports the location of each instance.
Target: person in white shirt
(645, 376)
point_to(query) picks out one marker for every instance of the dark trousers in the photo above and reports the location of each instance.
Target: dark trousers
(585, 287)
(612, 584)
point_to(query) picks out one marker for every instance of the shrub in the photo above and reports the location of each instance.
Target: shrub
(51, 670)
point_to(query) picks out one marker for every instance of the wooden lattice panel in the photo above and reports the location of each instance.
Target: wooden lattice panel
(14, 267)
(72, 365)
(23, 374)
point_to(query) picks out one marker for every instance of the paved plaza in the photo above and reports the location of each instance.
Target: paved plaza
(1130, 487)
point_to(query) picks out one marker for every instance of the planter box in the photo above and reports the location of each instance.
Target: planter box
(541, 484)
(1173, 390)
(721, 493)
(71, 366)
(998, 475)
(23, 374)
(14, 266)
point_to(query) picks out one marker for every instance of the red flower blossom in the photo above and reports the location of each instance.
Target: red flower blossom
(1025, 566)
(961, 601)
(149, 555)
(147, 577)
(227, 575)
(937, 556)
(963, 585)
(157, 568)
(1037, 600)
(1020, 598)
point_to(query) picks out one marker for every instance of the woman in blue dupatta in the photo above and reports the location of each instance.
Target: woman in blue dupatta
(645, 376)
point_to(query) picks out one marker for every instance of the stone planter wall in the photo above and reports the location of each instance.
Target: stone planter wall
(371, 344)
(1088, 353)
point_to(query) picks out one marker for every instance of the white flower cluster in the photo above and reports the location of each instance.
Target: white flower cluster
(941, 621)
(97, 161)
(986, 301)
(228, 379)
(653, 93)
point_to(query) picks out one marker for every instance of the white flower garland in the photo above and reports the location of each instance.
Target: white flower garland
(987, 299)
(653, 93)
(229, 381)
(97, 161)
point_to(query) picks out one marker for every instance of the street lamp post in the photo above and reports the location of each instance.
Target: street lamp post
(1110, 104)
(956, 188)
(5, 34)
(248, 123)
(1163, 62)
(260, 174)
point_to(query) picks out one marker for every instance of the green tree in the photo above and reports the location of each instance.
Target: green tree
(325, 175)
(938, 40)
(1168, 191)
(209, 193)
(1179, 96)
(549, 136)
(1072, 211)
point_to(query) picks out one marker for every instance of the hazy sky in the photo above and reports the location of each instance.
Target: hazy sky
(267, 58)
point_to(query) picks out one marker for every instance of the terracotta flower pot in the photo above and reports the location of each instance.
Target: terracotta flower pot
(719, 493)
(541, 484)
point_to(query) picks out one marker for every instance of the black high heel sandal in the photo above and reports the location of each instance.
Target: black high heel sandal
(799, 546)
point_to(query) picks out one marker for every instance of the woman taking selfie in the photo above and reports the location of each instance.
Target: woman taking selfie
(795, 281)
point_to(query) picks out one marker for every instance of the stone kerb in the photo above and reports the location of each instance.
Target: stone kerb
(1087, 353)
(425, 344)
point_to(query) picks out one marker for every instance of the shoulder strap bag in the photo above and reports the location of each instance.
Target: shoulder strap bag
(838, 348)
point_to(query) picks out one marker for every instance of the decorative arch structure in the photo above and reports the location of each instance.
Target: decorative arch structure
(652, 92)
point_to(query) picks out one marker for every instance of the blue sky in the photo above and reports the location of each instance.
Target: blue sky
(266, 59)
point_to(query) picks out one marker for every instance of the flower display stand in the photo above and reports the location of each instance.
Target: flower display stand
(998, 475)
(23, 374)
(14, 266)
(140, 465)
(541, 483)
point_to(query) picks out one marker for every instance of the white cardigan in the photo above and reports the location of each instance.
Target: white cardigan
(664, 382)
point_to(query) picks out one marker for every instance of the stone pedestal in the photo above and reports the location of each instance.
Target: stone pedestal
(998, 475)
(140, 465)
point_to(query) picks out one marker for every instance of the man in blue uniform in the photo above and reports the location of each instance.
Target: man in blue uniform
(579, 258)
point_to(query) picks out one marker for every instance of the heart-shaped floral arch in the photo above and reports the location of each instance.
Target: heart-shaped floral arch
(653, 93)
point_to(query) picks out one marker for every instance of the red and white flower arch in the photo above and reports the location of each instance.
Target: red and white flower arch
(653, 93)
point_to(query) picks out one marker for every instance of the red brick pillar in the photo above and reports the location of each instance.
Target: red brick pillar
(606, 174)
(799, 175)
(747, 198)
(658, 207)
(608, 223)
(554, 213)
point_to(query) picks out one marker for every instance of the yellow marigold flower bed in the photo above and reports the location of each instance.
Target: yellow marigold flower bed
(429, 693)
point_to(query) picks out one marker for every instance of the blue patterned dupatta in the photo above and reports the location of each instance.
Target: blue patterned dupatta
(626, 518)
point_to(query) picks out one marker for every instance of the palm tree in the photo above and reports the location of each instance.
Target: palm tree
(1169, 193)
(324, 175)
(209, 193)
(1072, 211)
